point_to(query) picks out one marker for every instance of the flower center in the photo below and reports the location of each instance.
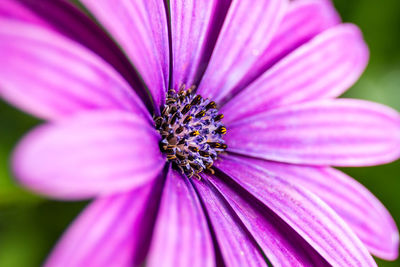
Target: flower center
(191, 131)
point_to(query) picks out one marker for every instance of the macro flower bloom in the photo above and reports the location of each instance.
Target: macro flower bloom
(204, 130)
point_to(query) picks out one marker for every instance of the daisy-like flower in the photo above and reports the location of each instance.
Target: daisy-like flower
(209, 140)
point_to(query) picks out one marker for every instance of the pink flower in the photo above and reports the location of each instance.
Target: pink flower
(273, 68)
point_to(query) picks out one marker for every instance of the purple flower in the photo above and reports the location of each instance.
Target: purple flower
(175, 183)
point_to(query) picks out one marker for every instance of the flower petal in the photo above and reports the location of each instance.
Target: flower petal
(140, 27)
(323, 68)
(280, 243)
(237, 246)
(194, 30)
(181, 236)
(15, 10)
(63, 17)
(361, 210)
(342, 132)
(303, 21)
(307, 214)
(52, 77)
(90, 154)
(112, 231)
(246, 33)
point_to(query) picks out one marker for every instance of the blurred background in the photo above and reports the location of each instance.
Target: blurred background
(30, 225)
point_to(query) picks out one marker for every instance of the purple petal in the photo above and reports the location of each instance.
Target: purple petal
(90, 154)
(307, 214)
(323, 68)
(15, 10)
(246, 33)
(194, 29)
(64, 17)
(237, 246)
(303, 20)
(112, 231)
(140, 27)
(52, 77)
(342, 132)
(280, 243)
(361, 210)
(181, 236)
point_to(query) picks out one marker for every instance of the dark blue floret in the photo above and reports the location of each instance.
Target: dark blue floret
(191, 131)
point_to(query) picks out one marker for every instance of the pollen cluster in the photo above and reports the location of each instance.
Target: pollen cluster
(191, 131)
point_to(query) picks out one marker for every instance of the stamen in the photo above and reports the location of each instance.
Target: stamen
(219, 117)
(191, 131)
(221, 130)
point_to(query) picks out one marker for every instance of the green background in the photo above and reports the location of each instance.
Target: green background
(30, 225)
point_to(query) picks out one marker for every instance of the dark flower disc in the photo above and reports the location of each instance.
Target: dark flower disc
(191, 131)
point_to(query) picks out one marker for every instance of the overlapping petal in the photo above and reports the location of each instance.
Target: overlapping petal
(181, 236)
(112, 231)
(237, 246)
(140, 27)
(15, 10)
(303, 20)
(342, 132)
(88, 155)
(361, 210)
(194, 30)
(303, 211)
(281, 244)
(64, 17)
(50, 76)
(246, 33)
(322, 68)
